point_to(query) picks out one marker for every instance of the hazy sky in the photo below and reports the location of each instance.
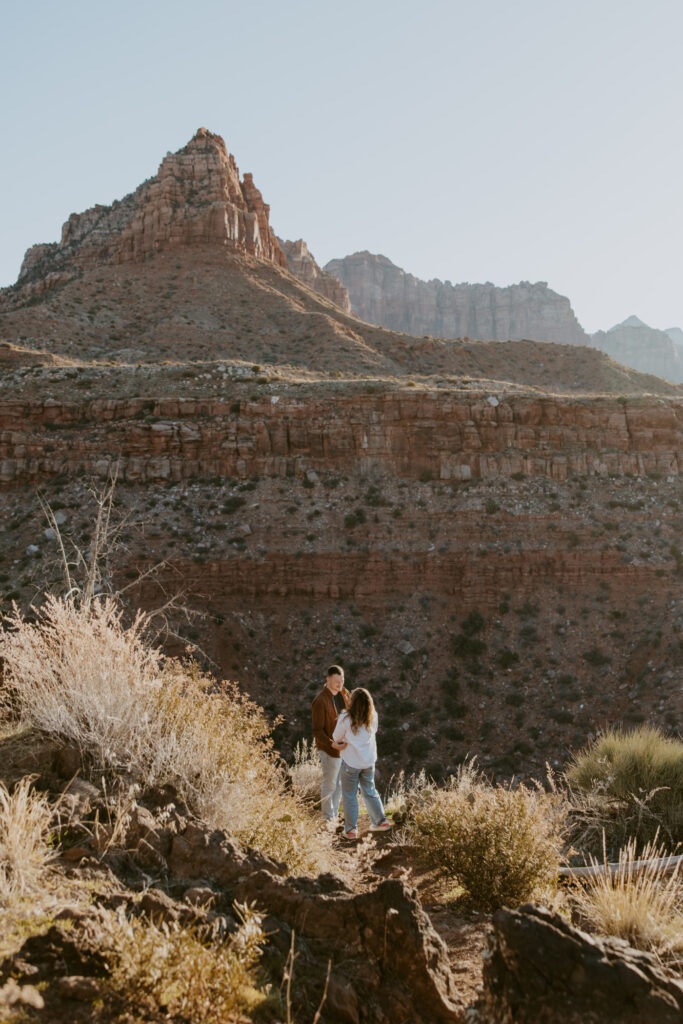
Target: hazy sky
(500, 140)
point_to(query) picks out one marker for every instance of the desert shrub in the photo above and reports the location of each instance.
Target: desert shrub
(507, 658)
(470, 647)
(473, 623)
(633, 780)
(450, 684)
(231, 504)
(528, 635)
(528, 608)
(24, 834)
(374, 497)
(390, 741)
(418, 746)
(502, 845)
(644, 907)
(596, 657)
(173, 972)
(353, 519)
(306, 773)
(81, 673)
(514, 699)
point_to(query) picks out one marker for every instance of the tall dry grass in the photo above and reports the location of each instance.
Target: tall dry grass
(629, 783)
(306, 772)
(643, 906)
(173, 972)
(25, 855)
(502, 845)
(80, 672)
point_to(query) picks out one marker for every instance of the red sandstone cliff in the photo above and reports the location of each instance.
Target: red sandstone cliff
(196, 197)
(301, 263)
(383, 294)
(409, 435)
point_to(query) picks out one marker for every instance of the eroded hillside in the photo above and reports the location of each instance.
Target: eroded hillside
(487, 534)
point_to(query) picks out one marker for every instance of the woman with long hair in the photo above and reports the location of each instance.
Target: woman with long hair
(354, 736)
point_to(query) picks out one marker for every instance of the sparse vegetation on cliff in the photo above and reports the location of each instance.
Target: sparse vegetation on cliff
(82, 674)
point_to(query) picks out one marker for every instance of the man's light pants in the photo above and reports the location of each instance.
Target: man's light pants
(330, 789)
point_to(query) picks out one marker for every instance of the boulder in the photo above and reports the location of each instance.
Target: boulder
(542, 970)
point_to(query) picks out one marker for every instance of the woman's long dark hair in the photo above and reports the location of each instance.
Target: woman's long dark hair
(361, 709)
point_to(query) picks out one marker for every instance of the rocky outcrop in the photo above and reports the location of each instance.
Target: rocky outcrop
(382, 293)
(301, 263)
(644, 348)
(404, 434)
(379, 941)
(541, 970)
(195, 198)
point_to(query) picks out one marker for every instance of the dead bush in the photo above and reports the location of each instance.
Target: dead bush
(81, 673)
(172, 972)
(643, 906)
(24, 834)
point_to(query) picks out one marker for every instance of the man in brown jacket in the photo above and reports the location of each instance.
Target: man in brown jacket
(332, 699)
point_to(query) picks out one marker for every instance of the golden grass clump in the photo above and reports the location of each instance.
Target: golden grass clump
(643, 906)
(176, 972)
(25, 818)
(636, 777)
(305, 772)
(501, 845)
(81, 673)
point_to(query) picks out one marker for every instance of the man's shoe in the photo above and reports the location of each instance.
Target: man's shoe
(383, 826)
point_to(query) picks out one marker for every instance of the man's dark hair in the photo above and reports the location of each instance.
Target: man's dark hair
(334, 670)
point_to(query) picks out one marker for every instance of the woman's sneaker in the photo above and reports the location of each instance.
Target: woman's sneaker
(383, 826)
(351, 834)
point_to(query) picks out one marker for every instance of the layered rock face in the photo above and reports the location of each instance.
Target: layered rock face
(644, 348)
(196, 197)
(405, 435)
(382, 293)
(301, 263)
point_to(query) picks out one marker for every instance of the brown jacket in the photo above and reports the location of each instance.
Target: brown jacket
(325, 718)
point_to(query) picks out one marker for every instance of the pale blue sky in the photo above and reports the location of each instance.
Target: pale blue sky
(498, 140)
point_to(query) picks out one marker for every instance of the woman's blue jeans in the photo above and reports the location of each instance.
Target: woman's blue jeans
(351, 779)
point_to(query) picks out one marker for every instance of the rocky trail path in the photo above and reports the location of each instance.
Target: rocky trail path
(374, 858)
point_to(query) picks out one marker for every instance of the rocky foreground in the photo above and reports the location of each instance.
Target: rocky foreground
(365, 948)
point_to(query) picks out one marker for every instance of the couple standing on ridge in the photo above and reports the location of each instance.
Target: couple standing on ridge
(344, 729)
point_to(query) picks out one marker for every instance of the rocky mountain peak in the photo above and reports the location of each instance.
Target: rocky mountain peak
(630, 321)
(196, 198)
(302, 263)
(645, 348)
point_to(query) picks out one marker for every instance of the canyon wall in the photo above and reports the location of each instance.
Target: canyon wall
(644, 348)
(421, 435)
(196, 197)
(301, 263)
(383, 294)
